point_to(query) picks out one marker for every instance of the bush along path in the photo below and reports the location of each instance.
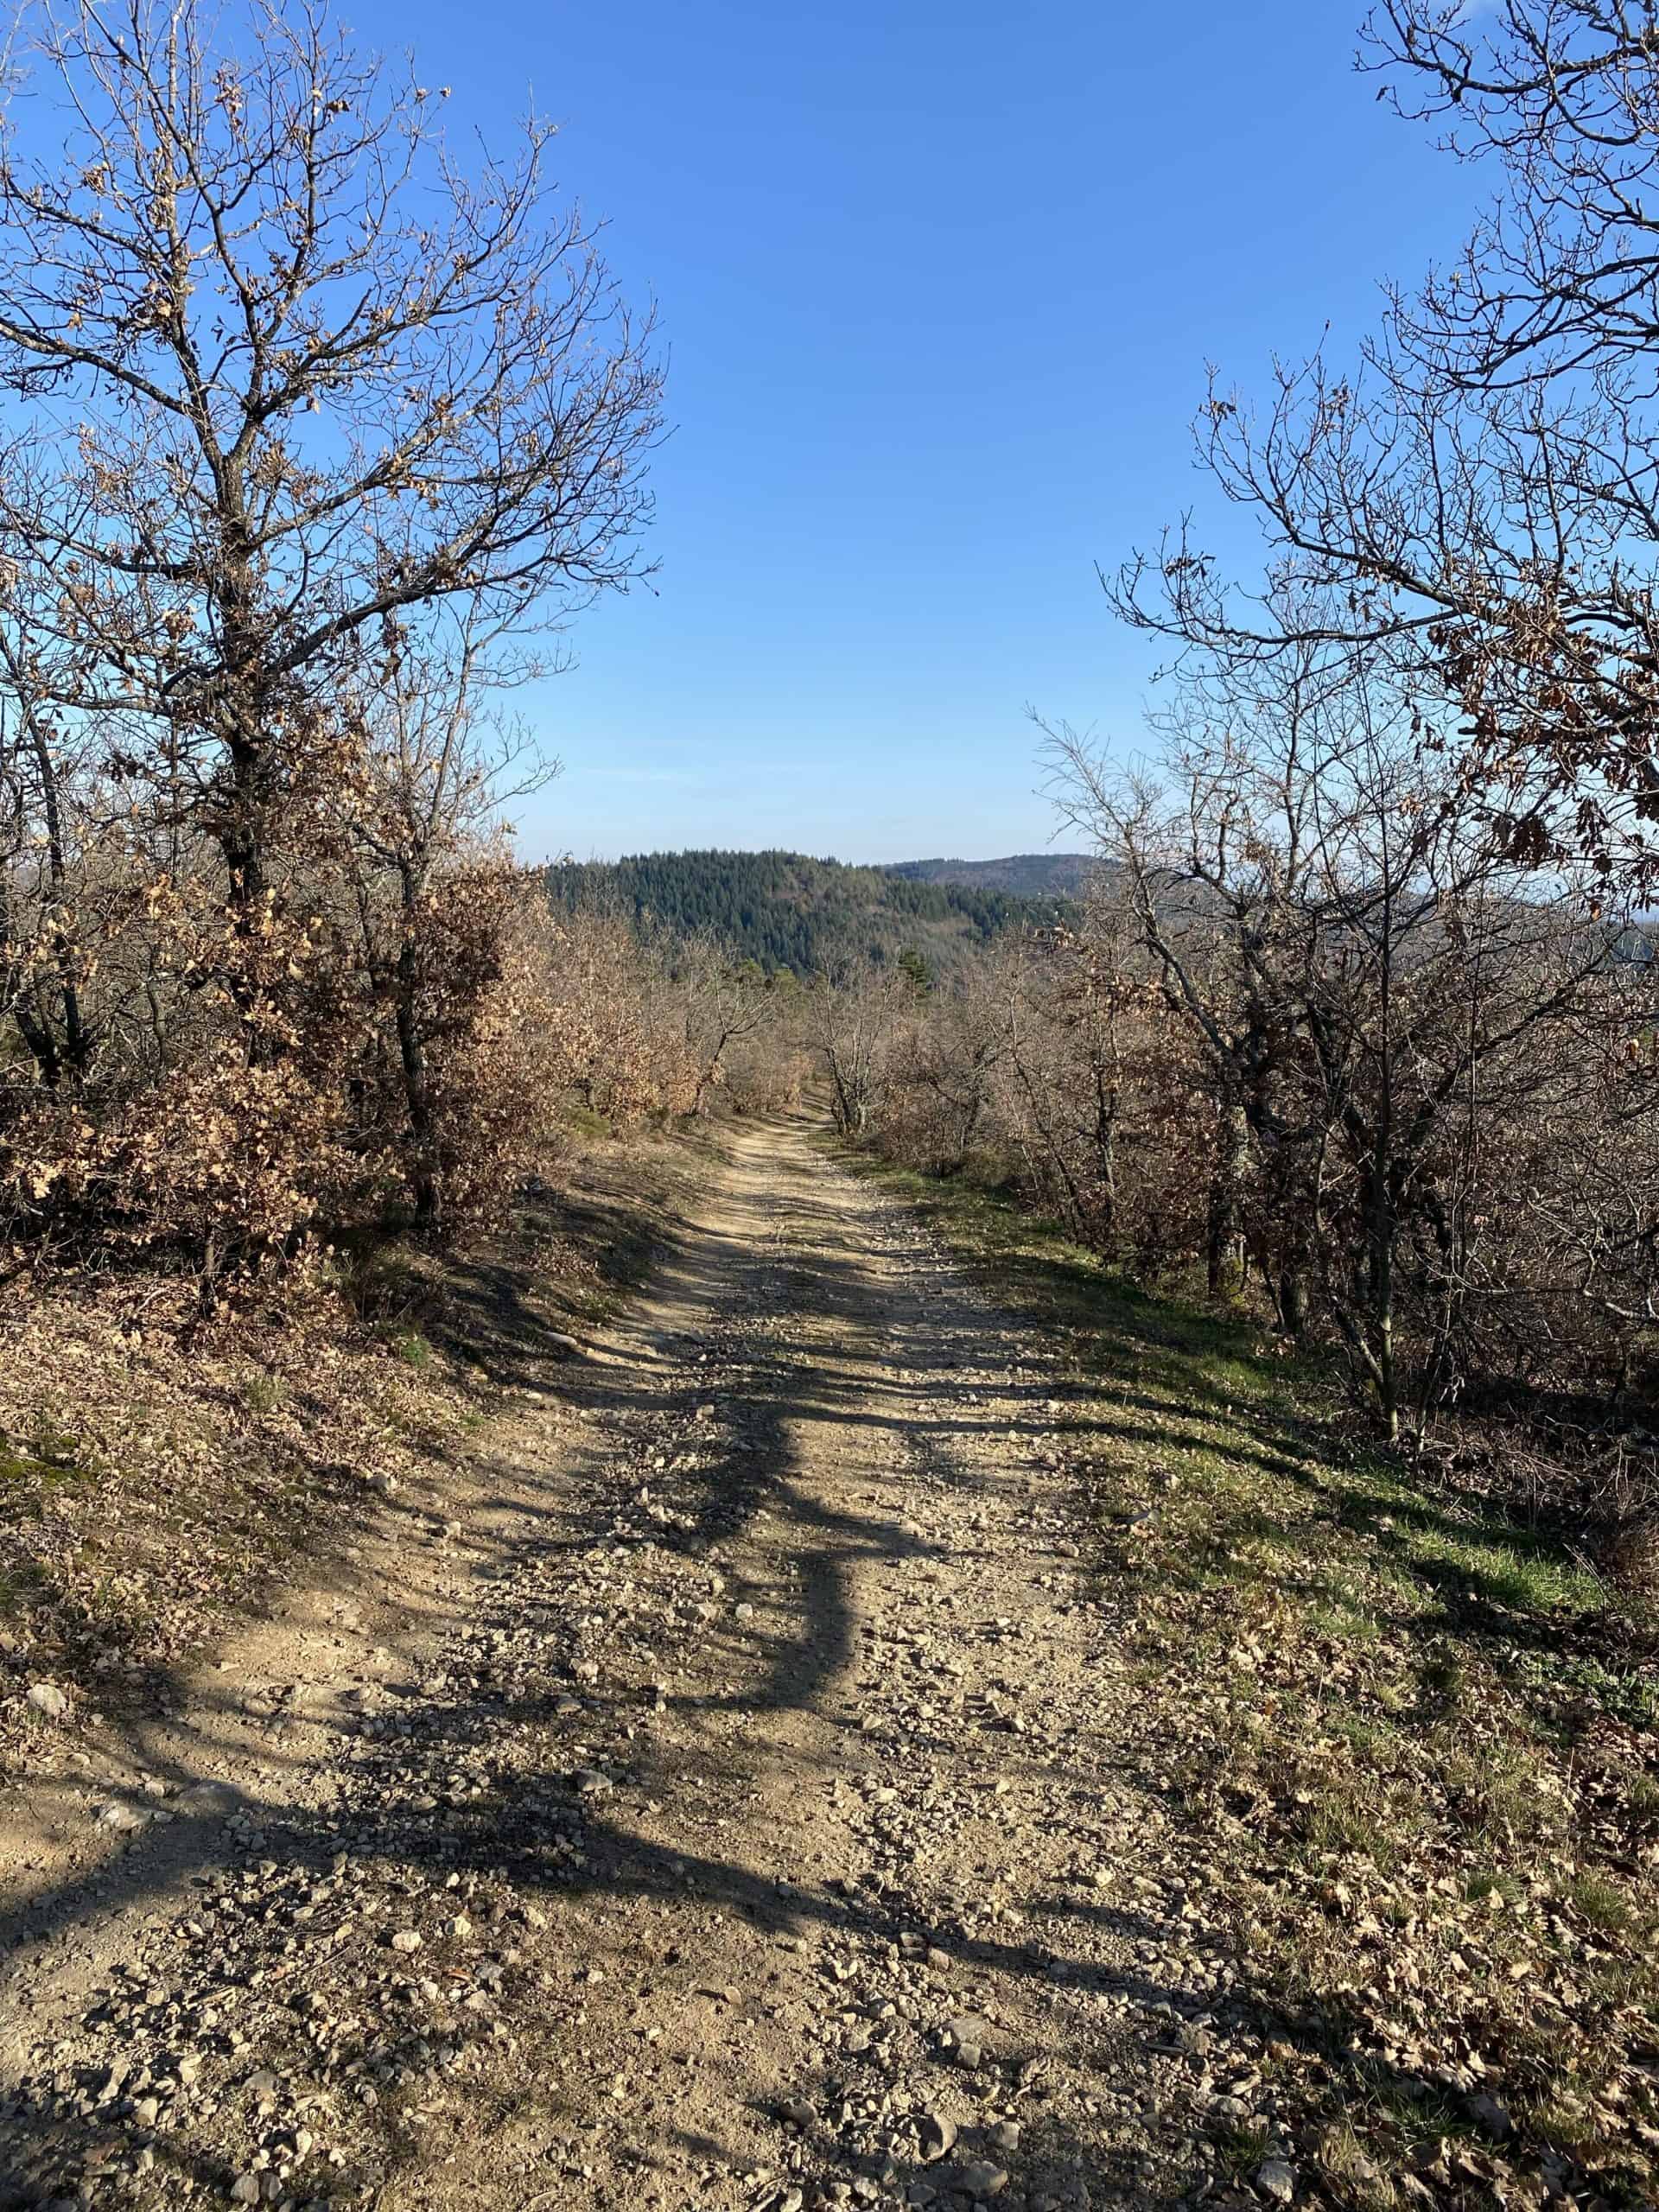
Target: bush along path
(772, 1776)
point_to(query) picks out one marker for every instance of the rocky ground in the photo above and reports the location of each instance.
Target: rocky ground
(722, 1796)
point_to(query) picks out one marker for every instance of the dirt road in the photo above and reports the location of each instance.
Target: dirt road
(718, 1799)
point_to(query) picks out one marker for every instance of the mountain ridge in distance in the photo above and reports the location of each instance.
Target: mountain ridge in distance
(1027, 875)
(814, 916)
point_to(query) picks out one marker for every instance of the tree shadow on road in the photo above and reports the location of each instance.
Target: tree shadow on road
(476, 1783)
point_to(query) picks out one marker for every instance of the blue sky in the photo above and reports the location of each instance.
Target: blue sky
(938, 285)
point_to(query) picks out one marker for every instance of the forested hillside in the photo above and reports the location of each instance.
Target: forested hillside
(783, 910)
(1027, 875)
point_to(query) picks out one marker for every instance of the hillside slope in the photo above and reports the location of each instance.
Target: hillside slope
(785, 910)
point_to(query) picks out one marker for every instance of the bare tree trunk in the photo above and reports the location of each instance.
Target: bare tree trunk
(418, 1092)
(708, 1072)
(1056, 1155)
(411, 1052)
(1221, 1233)
(75, 1033)
(1108, 1106)
(1380, 1289)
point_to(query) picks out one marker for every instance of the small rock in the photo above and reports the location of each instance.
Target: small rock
(797, 2112)
(406, 1940)
(48, 1701)
(982, 2178)
(938, 2135)
(245, 2190)
(1489, 2114)
(1276, 2177)
(1004, 2136)
(207, 1797)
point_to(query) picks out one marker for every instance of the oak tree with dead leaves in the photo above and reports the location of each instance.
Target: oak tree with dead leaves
(281, 367)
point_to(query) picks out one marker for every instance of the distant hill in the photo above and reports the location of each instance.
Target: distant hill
(784, 910)
(1027, 875)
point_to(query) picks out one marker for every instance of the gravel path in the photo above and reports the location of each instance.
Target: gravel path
(718, 1799)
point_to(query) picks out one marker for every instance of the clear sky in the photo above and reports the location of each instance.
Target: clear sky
(938, 285)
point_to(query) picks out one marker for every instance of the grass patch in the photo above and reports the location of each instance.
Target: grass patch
(1529, 1580)
(23, 1473)
(1240, 2150)
(582, 1121)
(263, 1392)
(1482, 1888)
(1604, 1905)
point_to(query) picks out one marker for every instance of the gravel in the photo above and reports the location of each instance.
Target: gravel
(616, 1891)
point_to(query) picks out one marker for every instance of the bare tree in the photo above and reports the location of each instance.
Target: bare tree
(285, 369)
(724, 1007)
(308, 424)
(434, 764)
(945, 1071)
(47, 768)
(1355, 954)
(1478, 490)
(853, 1023)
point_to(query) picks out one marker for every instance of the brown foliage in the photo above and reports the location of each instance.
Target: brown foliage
(266, 968)
(1322, 1043)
